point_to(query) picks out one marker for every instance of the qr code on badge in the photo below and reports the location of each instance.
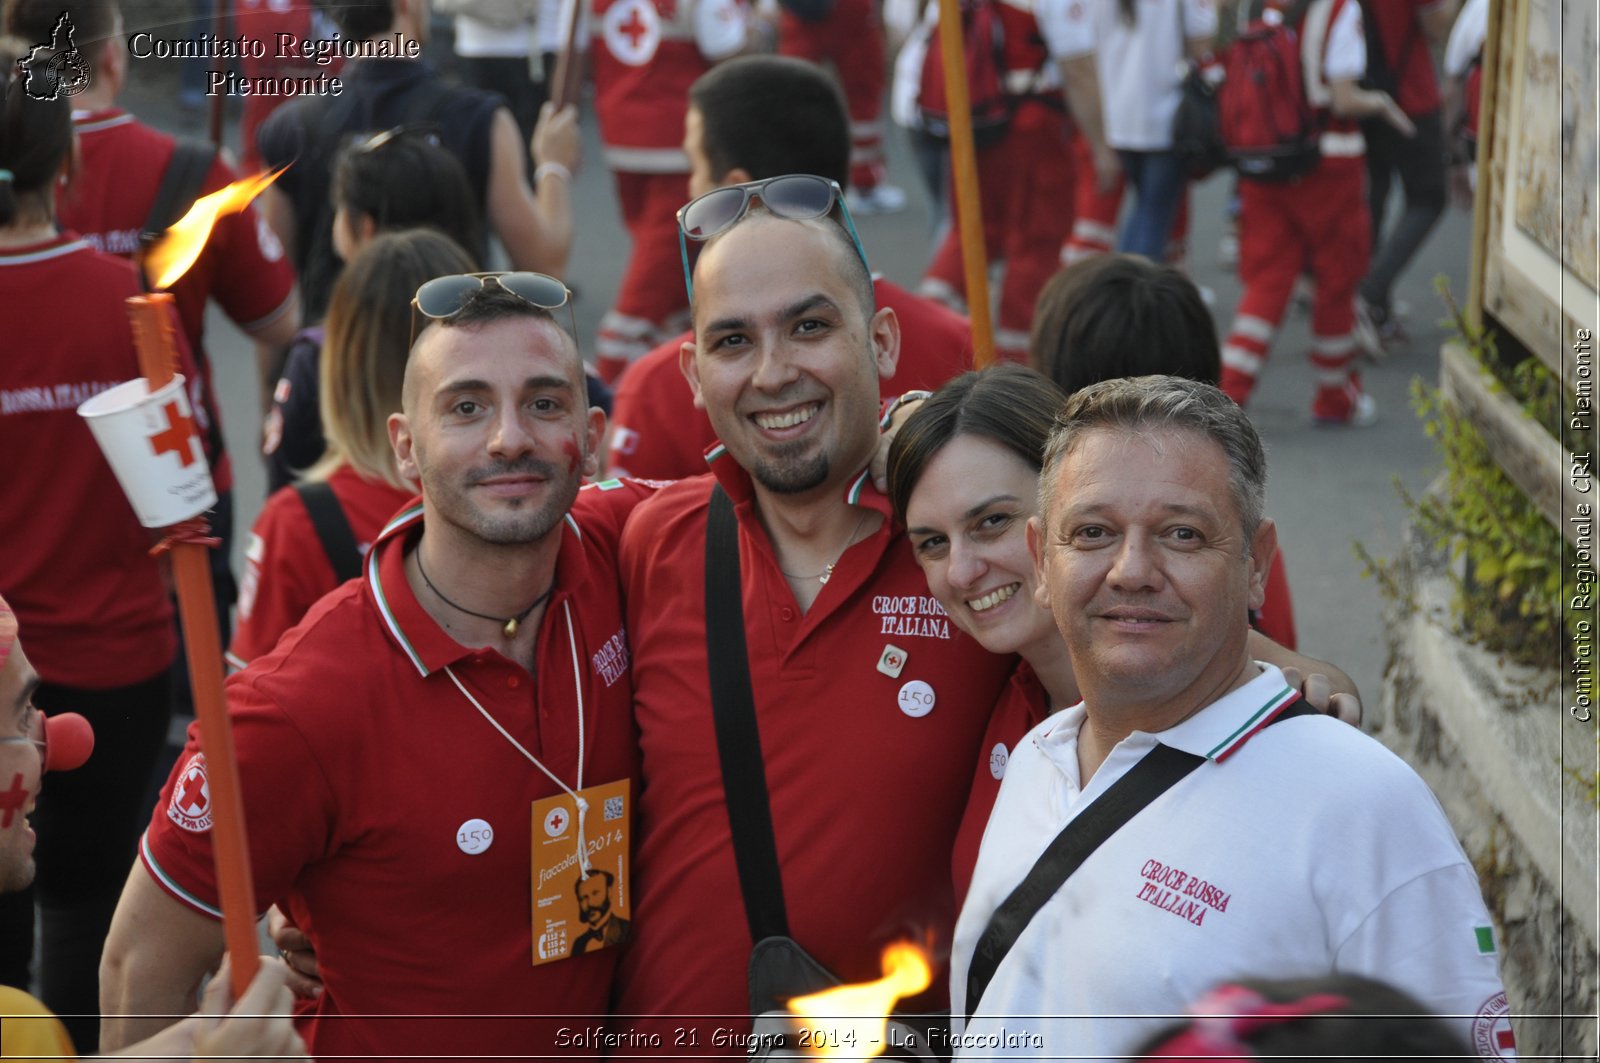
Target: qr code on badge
(613, 808)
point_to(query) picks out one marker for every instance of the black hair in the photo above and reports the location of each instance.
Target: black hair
(1122, 315)
(359, 19)
(738, 100)
(406, 182)
(35, 140)
(1008, 404)
(578, 885)
(1377, 1022)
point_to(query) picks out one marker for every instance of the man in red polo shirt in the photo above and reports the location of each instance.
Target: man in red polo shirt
(391, 746)
(730, 137)
(869, 703)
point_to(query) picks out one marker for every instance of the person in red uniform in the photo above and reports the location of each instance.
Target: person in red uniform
(30, 747)
(729, 136)
(868, 704)
(1028, 176)
(1317, 222)
(645, 55)
(287, 567)
(849, 34)
(391, 746)
(74, 561)
(264, 20)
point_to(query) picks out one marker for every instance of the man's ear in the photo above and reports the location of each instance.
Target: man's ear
(404, 452)
(1035, 537)
(1263, 545)
(594, 434)
(884, 329)
(691, 372)
(736, 176)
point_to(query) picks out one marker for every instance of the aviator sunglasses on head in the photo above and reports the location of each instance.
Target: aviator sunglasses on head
(443, 297)
(796, 196)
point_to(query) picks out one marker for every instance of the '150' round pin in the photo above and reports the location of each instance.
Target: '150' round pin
(916, 698)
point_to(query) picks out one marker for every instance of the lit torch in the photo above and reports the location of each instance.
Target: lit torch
(851, 1023)
(148, 434)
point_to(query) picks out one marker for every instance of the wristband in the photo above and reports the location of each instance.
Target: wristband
(894, 407)
(555, 168)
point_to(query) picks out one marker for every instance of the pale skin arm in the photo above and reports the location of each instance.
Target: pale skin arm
(258, 1026)
(1081, 81)
(1437, 20)
(271, 342)
(535, 229)
(155, 957)
(1350, 100)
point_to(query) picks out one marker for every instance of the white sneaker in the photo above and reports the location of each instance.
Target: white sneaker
(879, 199)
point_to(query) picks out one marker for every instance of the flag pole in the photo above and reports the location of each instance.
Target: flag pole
(964, 165)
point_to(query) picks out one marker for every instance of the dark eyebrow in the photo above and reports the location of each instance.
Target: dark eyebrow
(1176, 508)
(532, 383)
(986, 503)
(793, 310)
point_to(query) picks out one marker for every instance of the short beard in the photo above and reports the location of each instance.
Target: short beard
(520, 527)
(793, 477)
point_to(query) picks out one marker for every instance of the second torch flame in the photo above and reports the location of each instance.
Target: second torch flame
(176, 250)
(850, 1021)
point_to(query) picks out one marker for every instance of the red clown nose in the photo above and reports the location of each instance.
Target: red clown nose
(68, 741)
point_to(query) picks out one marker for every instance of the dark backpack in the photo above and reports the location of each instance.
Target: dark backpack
(991, 107)
(1269, 128)
(808, 10)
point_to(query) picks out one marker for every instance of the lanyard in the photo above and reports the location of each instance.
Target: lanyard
(577, 685)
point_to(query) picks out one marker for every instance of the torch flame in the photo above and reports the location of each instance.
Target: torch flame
(171, 256)
(850, 1021)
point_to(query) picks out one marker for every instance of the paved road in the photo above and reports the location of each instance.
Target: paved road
(1328, 489)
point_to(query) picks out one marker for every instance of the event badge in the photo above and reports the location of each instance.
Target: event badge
(574, 913)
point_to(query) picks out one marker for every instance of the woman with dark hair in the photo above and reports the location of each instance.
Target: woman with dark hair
(964, 479)
(1122, 315)
(1334, 1018)
(74, 561)
(363, 362)
(395, 180)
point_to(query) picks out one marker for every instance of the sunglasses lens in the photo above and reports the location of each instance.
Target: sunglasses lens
(798, 197)
(713, 212)
(443, 296)
(538, 289)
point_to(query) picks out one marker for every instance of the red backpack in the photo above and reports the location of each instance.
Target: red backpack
(1269, 128)
(991, 108)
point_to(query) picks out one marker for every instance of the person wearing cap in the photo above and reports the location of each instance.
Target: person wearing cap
(869, 705)
(30, 746)
(394, 745)
(1239, 851)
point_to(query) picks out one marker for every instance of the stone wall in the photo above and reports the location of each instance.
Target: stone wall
(1513, 772)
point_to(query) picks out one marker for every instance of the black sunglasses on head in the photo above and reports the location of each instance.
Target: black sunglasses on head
(444, 297)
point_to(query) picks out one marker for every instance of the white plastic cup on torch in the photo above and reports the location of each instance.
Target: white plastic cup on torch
(154, 450)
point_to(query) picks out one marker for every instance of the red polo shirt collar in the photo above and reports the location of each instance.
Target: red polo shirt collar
(741, 489)
(418, 635)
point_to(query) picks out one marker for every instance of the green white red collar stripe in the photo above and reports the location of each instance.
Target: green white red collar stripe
(410, 515)
(737, 482)
(1253, 723)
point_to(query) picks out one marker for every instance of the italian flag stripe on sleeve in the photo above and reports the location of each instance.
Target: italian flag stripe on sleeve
(1485, 936)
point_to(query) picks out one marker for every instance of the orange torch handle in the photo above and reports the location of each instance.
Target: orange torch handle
(964, 163)
(154, 339)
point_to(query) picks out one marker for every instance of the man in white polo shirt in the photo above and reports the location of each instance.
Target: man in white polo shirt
(1293, 850)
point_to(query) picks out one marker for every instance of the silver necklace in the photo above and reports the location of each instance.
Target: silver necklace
(827, 572)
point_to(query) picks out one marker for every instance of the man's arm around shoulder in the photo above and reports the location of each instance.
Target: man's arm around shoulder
(155, 957)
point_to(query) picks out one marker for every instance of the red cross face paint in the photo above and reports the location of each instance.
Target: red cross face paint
(13, 800)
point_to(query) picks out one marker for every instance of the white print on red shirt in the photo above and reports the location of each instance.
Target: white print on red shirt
(912, 614)
(611, 661)
(190, 807)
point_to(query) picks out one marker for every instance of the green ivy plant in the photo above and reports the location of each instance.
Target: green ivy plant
(1508, 590)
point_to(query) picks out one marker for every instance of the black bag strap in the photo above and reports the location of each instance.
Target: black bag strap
(733, 708)
(180, 185)
(1147, 780)
(333, 529)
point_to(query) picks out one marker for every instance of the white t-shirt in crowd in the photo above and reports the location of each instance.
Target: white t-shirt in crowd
(1466, 37)
(1300, 849)
(1142, 65)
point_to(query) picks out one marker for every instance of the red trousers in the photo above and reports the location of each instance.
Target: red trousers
(1026, 181)
(651, 303)
(1317, 225)
(851, 38)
